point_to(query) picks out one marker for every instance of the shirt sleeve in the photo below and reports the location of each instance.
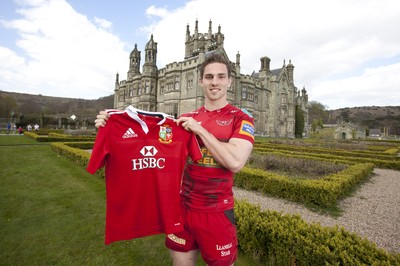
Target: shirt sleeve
(244, 127)
(99, 152)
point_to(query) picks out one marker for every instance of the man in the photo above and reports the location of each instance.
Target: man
(225, 134)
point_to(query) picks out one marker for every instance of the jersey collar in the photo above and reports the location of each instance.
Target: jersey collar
(134, 114)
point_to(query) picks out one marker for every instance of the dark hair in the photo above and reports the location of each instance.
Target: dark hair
(215, 58)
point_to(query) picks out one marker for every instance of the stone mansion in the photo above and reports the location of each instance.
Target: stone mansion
(270, 95)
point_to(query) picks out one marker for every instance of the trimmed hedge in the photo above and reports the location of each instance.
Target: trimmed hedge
(273, 238)
(323, 192)
(336, 152)
(276, 239)
(58, 137)
(76, 151)
(387, 164)
(78, 155)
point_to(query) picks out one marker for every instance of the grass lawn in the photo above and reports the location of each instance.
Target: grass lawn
(52, 212)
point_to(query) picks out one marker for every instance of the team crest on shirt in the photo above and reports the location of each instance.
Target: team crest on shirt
(165, 134)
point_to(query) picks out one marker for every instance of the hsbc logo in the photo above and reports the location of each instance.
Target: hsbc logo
(148, 161)
(148, 151)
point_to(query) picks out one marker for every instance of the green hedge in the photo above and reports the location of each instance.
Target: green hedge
(77, 152)
(337, 152)
(387, 164)
(78, 155)
(323, 192)
(274, 238)
(58, 137)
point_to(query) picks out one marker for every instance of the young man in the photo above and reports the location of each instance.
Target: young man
(225, 134)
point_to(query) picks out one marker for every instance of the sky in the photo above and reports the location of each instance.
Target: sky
(346, 53)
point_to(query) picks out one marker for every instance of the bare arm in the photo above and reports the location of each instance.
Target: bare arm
(232, 155)
(101, 119)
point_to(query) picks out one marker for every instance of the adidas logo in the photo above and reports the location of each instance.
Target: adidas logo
(129, 134)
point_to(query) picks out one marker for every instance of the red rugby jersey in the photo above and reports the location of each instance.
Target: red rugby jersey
(144, 157)
(207, 186)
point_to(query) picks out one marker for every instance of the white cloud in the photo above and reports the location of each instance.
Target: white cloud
(153, 11)
(11, 63)
(345, 52)
(377, 86)
(63, 52)
(325, 40)
(105, 24)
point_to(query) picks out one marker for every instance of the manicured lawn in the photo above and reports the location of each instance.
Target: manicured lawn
(52, 212)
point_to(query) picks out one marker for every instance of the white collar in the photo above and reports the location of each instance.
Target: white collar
(133, 113)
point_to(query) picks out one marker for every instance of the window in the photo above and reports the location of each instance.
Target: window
(175, 113)
(189, 84)
(162, 88)
(177, 83)
(146, 90)
(122, 96)
(244, 93)
(130, 91)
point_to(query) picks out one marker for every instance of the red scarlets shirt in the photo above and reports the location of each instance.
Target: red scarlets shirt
(207, 186)
(144, 154)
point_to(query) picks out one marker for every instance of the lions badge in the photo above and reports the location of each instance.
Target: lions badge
(165, 134)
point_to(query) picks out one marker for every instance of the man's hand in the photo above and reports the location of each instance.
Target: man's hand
(101, 119)
(190, 124)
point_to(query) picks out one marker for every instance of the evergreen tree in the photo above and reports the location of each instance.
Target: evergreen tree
(299, 124)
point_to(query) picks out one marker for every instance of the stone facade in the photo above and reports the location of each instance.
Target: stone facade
(269, 95)
(347, 131)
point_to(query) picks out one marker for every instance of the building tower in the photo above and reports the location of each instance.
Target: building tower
(134, 63)
(148, 84)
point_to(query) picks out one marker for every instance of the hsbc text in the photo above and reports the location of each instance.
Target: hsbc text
(148, 162)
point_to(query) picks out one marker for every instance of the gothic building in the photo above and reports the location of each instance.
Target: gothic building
(270, 95)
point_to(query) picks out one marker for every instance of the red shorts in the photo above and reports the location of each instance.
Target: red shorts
(213, 233)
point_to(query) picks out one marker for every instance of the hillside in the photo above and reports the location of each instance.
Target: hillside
(369, 117)
(38, 105)
(30, 105)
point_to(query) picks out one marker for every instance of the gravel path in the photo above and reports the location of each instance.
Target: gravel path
(373, 211)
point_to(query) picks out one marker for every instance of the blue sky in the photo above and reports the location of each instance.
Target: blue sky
(346, 53)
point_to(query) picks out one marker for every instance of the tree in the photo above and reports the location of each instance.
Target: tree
(299, 123)
(317, 110)
(317, 123)
(345, 116)
(7, 105)
(367, 132)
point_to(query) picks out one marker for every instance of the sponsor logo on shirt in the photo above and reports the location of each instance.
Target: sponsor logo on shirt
(148, 161)
(129, 134)
(224, 249)
(165, 134)
(207, 160)
(148, 151)
(247, 128)
(224, 123)
(176, 239)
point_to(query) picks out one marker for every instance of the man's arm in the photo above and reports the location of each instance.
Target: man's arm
(232, 155)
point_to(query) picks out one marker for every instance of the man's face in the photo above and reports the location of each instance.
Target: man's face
(215, 81)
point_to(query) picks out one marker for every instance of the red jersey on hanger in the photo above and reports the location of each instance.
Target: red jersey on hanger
(144, 154)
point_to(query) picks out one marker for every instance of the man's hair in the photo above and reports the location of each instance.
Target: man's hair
(215, 58)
